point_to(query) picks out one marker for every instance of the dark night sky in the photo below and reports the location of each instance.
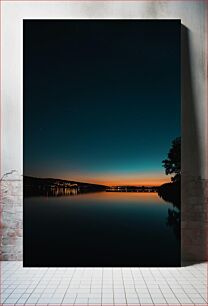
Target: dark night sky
(101, 99)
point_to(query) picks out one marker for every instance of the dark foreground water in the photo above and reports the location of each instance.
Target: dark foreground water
(101, 229)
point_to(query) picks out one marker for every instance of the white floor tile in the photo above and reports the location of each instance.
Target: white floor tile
(119, 286)
(107, 300)
(81, 301)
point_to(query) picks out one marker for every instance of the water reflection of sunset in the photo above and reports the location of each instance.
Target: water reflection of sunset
(119, 197)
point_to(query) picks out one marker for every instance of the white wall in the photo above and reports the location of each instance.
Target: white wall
(194, 98)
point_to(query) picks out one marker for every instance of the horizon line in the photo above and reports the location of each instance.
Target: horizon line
(145, 184)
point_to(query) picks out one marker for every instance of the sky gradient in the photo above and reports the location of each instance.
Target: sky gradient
(101, 99)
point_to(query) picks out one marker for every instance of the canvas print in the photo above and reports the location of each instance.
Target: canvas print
(102, 145)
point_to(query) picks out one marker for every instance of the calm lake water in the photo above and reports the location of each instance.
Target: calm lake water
(100, 229)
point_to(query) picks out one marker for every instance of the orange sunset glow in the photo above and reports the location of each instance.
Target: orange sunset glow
(147, 182)
(110, 179)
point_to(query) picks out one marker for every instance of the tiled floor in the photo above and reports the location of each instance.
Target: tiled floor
(103, 286)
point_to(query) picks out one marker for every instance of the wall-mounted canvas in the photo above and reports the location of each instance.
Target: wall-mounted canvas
(102, 146)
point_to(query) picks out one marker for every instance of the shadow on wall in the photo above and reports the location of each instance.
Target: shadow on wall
(194, 207)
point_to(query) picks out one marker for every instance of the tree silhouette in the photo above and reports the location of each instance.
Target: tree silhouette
(172, 164)
(173, 221)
